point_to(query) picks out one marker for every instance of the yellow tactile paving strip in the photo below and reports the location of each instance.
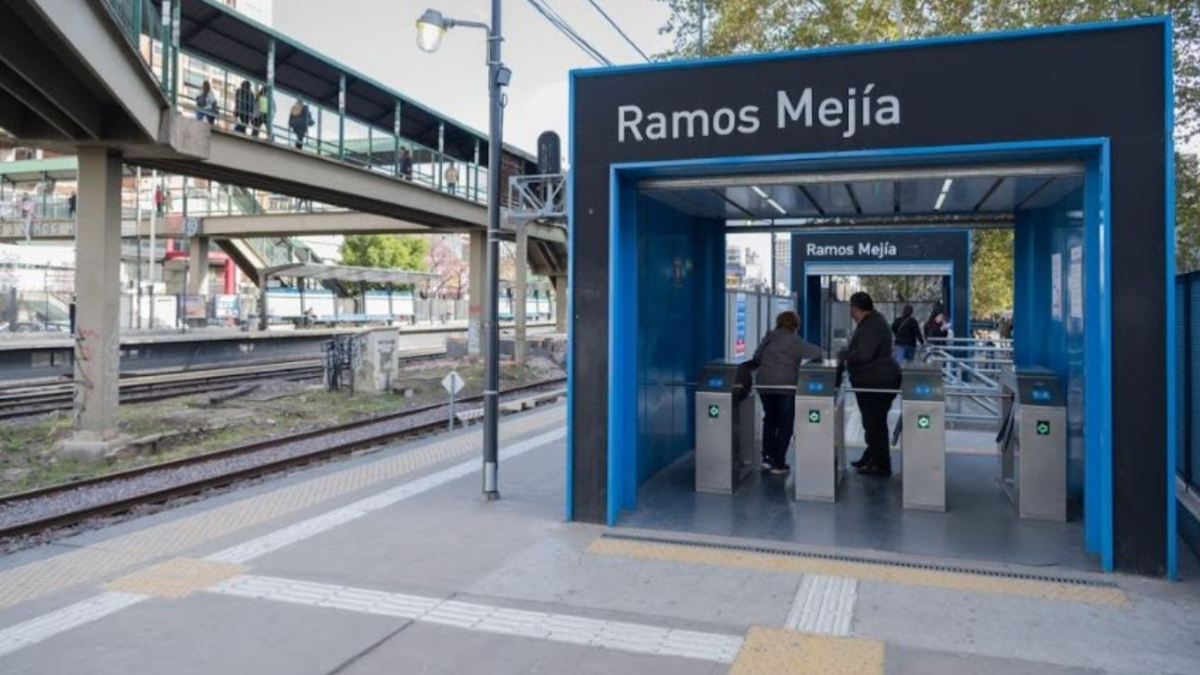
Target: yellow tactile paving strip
(769, 651)
(979, 583)
(108, 558)
(176, 578)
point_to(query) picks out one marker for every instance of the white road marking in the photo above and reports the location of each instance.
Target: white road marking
(48, 625)
(578, 630)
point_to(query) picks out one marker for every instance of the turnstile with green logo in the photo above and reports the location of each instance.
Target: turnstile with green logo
(1033, 443)
(923, 438)
(819, 434)
(725, 452)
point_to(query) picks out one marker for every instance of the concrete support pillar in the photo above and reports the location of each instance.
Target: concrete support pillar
(560, 303)
(98, 293)
(198, 266)
(476, 282)
(520, 291)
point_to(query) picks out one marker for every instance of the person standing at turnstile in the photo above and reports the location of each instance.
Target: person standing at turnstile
(870, 362)
(777, 362)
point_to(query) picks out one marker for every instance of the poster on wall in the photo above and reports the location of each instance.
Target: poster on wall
(739, 328)
(1075, 282)
(195, 307)
(1056, 311)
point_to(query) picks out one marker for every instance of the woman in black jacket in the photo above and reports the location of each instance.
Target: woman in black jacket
(908, 334)
(935, 327)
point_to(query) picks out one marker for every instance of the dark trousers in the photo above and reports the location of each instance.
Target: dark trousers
(874, 409)
(779, 418)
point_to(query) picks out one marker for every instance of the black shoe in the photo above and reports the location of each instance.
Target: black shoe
(860, 463)
(875, 470)
(766, 466)
(780, 469)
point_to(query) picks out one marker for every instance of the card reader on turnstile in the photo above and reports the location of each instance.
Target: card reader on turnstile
(819, 433)
(724, 430)
(1033, 443)
(923, 423)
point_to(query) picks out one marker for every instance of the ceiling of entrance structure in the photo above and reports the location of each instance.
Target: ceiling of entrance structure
(947, 191)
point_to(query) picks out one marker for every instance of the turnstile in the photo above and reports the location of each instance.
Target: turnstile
(923, 438)
(819, 433)
(1033, 443)
(725, 452)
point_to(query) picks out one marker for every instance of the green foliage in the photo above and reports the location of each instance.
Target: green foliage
(388, 251)
(1187, 213)
(746, 26)
(991, 272)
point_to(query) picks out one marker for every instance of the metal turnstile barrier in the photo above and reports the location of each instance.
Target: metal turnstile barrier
(819, 434)
(1033, 443)
(923, 438)
(725, 451)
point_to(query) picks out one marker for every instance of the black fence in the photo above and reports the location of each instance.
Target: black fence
(1187, 381)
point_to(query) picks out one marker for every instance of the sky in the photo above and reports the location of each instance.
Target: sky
(378, 38)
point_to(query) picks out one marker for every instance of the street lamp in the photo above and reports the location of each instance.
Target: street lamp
(431, 27)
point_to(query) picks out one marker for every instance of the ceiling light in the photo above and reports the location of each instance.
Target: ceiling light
(758, 191)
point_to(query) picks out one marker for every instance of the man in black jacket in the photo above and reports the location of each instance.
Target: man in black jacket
(871, 365)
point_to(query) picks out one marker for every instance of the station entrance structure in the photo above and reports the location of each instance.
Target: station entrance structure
(942, 254)
(1094, 100)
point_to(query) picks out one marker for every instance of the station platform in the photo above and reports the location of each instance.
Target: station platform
(391, 562)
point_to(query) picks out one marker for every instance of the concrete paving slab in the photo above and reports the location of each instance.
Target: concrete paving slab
(1147, 636)
(205, 634)
(431, 649)
(908, 661)
(557, 571)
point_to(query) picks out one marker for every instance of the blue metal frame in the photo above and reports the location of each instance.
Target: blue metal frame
(1172, 410)
(1098, 427)
(878, 46)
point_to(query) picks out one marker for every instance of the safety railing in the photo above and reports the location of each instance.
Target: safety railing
(142, 25)
(306, 126)
(971, 370)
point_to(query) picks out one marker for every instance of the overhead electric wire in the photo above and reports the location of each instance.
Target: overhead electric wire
(565, 28)
(617, 28)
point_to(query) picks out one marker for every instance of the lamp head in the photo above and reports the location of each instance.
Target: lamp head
(431, 27)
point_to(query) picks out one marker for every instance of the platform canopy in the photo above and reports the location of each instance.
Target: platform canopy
(348, 274)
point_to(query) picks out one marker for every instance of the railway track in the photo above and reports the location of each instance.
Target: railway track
(41, 398)
(55, 507)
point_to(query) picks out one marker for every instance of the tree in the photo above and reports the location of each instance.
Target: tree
(991, 272)
(745, 26)
(388, 251)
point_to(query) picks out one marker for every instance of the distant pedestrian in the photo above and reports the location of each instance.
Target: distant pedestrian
(406, 164)
(263, 118)
(299, 121)
(244, 106)
(159, 200)
(908, 334)
(71, 202)
(27, 215)
(935, 327)
(166, 201)
(206, 104)
(451, 176)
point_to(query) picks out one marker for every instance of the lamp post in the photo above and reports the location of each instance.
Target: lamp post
(431, 27)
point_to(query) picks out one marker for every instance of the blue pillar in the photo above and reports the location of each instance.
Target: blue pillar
(341, 117)
(270, 121)
(396, 150)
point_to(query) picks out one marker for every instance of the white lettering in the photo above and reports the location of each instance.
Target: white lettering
(830, 112)
(656, 130)
(724, 122)
(749, 117)
(623, 122)
(888, 113)
(792, 113)
(691, 117)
